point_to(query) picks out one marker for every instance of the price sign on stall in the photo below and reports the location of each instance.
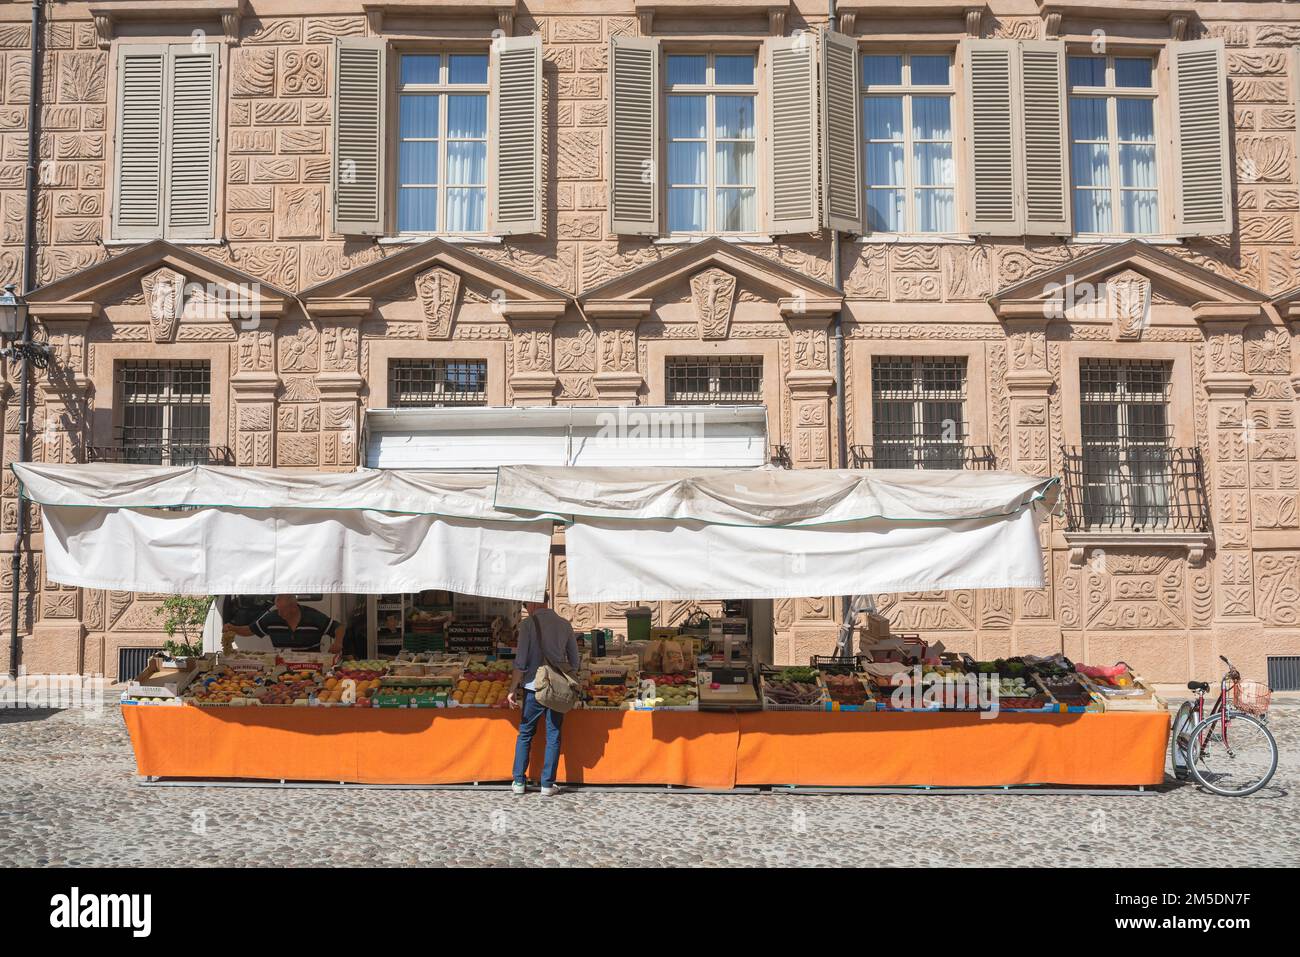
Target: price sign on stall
(470, 637)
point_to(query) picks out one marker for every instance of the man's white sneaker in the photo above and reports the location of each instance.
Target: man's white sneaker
(517, 788)
(553, 790)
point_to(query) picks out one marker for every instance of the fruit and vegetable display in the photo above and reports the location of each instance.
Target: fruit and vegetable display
(362, 670)
(482, 692)
(1067, 689)
(1020, 693)
(228, 686)
(658, 690)
(846, 690)
(793, 689)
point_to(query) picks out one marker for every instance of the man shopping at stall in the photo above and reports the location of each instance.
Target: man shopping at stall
(544, 638)
(290, 625)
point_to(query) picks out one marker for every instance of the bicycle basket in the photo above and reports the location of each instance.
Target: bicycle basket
(1251, 696)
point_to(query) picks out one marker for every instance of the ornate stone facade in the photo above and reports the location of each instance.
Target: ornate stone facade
(578, 315)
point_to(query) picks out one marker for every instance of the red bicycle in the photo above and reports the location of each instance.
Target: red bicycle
(1230, 751)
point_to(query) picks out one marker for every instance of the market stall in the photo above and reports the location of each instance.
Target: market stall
(688, 705)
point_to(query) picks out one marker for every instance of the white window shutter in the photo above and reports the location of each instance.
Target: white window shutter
(191, 142)
(360, 79)
(792, 161)
(138, 171)
(517, 134)
(1200, 113)
(634, 135)
(841, 162)
(991, 154)
(1046, 176)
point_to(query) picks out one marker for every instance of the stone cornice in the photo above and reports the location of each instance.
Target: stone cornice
(108, 13)
(503, 11)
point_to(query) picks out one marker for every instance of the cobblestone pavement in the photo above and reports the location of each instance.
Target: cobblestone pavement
(68, 796)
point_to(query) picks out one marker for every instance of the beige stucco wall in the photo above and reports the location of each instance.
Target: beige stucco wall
(288, 393)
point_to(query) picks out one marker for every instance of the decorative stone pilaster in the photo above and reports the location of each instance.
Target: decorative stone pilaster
(619, 379)
(1227, 384)
(811, 385)
(340, 382)
(532, 378)
(255, 393)
(1029, 382)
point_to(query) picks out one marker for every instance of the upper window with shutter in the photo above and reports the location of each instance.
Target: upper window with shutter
(1113, 165)
(712, 142)
(908, 170)
(165, 141)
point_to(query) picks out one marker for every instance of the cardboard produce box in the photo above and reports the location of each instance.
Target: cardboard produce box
(161, 679)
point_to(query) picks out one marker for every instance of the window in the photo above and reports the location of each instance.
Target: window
(712, 154)
(430, 383)
(1113, 144)
(442, 163)
(165, 160)
(705, 380)
(918, 411)
(165, 412)
(907, 127)
(1125, 432)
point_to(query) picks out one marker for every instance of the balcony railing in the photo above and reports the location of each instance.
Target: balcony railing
(933, 456)
(1135, 489)
(159, 454)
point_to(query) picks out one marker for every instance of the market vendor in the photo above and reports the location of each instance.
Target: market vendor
(289, 625)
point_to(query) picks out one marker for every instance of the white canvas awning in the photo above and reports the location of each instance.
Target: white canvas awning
(280, 530)
(679, 534)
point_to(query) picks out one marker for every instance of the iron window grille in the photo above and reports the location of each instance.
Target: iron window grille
(707, 380)
(980, 458)
(433, 383)
(1126, 474)
(166, 414)
(918, 409)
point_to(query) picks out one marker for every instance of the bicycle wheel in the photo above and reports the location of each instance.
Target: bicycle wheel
(1232, 759)
(1179, 736)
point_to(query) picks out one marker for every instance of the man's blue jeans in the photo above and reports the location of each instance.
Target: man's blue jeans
(527, 725)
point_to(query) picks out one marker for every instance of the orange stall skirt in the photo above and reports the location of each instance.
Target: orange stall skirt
(690, 749)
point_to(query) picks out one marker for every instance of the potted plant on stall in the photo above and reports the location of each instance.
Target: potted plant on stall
(182, 620)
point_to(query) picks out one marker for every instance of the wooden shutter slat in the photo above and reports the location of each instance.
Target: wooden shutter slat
(137, 207)
(517, 134)
(1200, 114)
(359, 102)
(191, 145)
(1046, 181)
(840, 136)
(634, 135)
(990, 136)
(793, 121)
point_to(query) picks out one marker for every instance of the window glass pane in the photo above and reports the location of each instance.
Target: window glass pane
(930, 70)
(733, 117)
(885, 210)
(1135, 119)
(736, 211)
(880, 70)
(1087, 118)
(687, 69)
(1087, 71)
(1139, 210)
(1137, 166)
(417, 163)
(418, 116)
(1133, 72)
(465, 209)
(686, 117)
(466, 163)
(687, 210)
(467, 116)
(734, 164)
(733, 70)
(417, 210)
(1090, 164)
(686, 164)
(419, 68)
(885, 164)
(934, 211)
(931, 119)
(932, 164)
(1092, 211)
(467, 68)
(883, 117)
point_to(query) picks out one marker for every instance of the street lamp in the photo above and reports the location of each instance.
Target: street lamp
(14, 331)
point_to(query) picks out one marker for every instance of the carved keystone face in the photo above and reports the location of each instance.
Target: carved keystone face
(713, 291)
(164, 293)
(438, 289)
(1128, 300)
